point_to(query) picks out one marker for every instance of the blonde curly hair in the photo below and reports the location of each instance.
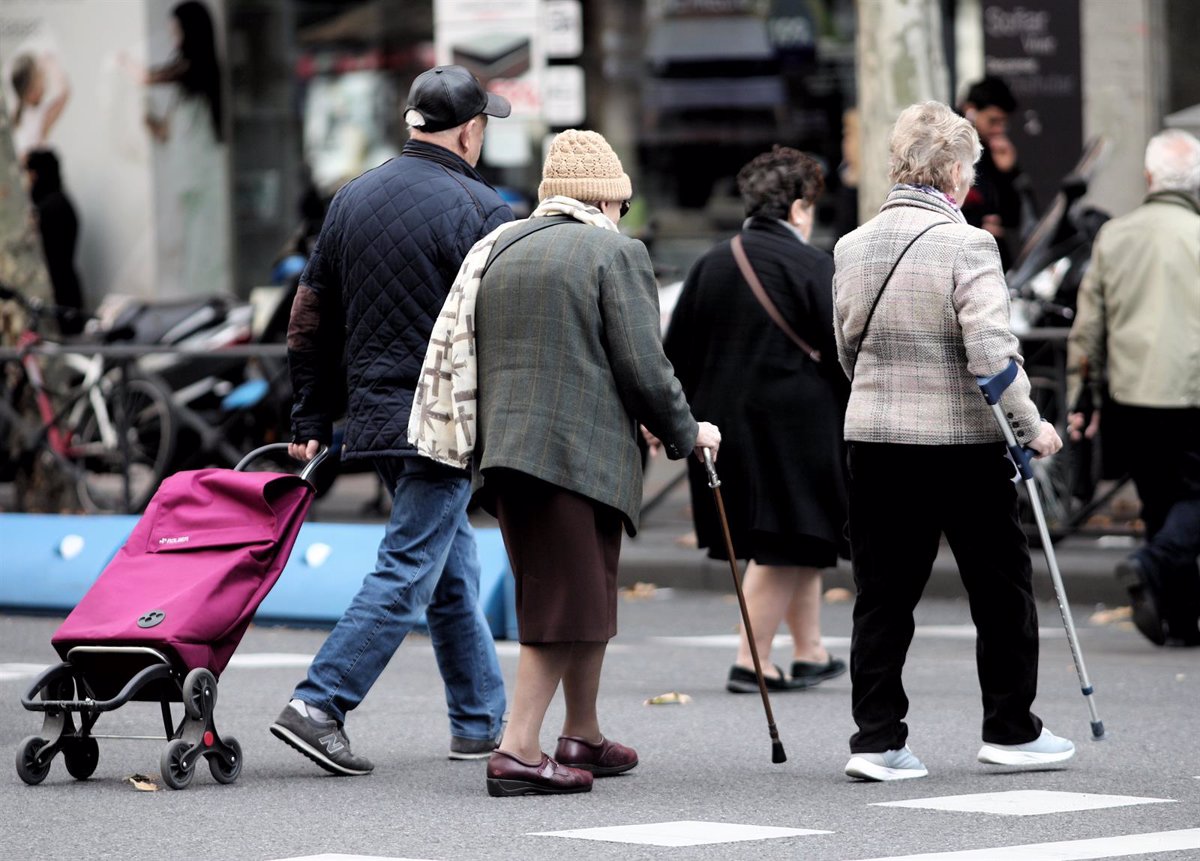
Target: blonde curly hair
(927, 140)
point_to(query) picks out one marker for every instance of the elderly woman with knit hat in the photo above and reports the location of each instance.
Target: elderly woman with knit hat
(562, 312)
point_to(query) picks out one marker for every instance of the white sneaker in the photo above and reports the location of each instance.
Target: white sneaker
(899, 764)
(1047, 748)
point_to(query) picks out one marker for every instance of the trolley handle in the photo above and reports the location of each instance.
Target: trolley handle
(305, 473)
(993, 388)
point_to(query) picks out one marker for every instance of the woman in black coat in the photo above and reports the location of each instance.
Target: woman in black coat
(780, 410)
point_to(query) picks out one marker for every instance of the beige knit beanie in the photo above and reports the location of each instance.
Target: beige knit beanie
(582, 165)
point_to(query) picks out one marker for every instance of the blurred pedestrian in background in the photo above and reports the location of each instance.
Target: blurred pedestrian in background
(994, 202)
(570, 359)
(1138, 329)
(925, 454)
(59, 228)
(380, 271)
(780, 405)
(194, 228)
(42, 92)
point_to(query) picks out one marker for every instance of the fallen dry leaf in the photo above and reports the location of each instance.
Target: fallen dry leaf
(639, 591)
(1107, 617)
(689, 540)
(142, 783)
(667, 699)
(838, 595)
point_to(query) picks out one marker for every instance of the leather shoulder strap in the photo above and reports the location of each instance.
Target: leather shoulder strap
(748, 273)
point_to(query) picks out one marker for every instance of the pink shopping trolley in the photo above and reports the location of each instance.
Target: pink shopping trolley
(165, 616)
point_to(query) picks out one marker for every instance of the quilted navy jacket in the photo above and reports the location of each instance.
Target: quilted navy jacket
(392, 242)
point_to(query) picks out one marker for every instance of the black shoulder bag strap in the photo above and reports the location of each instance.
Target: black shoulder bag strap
(504, 242)
(878, 295)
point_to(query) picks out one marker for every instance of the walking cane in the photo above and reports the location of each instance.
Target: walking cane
(777, 754)
(993, 387)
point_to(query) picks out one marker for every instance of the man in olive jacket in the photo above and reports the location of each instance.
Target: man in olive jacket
(1138, 325)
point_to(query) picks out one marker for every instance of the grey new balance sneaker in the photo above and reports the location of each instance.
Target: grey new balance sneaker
(899, 764)
(472, 748)
(322, 741)
(1046, 749)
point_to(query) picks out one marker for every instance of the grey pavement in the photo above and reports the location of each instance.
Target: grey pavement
(707, 761)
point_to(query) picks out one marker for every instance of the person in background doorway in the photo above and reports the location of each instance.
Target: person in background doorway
(780, 409)
(42, 93)
(194, 239)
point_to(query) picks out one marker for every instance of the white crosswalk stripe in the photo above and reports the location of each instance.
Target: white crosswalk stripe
(680, 833)
(1024, 802)
(1124, 846)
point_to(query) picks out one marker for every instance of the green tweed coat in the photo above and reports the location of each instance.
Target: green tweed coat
(571, 360)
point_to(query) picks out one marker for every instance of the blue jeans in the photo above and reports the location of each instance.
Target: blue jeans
(427, 563)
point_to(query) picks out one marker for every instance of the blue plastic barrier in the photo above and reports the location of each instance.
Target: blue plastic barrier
(48, 562)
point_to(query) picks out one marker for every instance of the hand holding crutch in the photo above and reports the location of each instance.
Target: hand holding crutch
(993, 387)
(777, 753)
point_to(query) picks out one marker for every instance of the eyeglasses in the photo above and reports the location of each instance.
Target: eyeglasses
(624, 208)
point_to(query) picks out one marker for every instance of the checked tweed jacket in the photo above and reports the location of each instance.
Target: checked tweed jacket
(570, 360)
(942, 322)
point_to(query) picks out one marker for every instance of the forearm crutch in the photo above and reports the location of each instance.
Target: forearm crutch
(993, 387)
(777, 753)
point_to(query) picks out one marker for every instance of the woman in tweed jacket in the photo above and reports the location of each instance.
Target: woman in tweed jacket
(925, 455)
(569, 361)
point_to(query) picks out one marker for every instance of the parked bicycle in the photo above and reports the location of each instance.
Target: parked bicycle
(104, 431)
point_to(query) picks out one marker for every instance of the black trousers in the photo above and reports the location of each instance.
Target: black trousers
(902, 499)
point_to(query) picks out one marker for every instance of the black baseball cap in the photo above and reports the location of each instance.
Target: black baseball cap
(448, 96)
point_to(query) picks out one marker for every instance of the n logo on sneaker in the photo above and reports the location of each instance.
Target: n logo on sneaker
(331, 742)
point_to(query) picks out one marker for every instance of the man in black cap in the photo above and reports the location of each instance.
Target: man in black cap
(385, 259)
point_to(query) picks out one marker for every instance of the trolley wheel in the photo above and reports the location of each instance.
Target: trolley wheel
(177, 769)
(199, 685)
(81, 756)
(29, 768)
(221, 771)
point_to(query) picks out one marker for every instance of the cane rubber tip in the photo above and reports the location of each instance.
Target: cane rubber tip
(1098, 733)
(777, 754)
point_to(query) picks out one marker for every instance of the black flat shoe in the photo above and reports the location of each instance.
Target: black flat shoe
(743, 681)
(1143, 597)
(813, 674)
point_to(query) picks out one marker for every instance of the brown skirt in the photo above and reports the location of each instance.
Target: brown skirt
(563, 548)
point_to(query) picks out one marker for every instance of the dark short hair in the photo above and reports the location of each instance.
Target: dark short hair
(991, 92)
(773, 180)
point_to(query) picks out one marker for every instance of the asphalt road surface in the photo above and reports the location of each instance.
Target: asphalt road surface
(706, 764)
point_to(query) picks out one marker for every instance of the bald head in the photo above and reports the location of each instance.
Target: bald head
(1173, 162)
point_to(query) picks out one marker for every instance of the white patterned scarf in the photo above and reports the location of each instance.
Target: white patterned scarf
(442, 423)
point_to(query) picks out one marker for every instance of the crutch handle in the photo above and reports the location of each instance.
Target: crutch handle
(710, 468)
(993, 388)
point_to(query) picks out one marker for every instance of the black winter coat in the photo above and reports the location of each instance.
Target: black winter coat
(386, 257)
(780, 414)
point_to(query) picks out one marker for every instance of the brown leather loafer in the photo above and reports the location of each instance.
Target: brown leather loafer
(507, 775)
(603, 759)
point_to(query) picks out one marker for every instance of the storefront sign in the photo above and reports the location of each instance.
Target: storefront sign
(1035, 49)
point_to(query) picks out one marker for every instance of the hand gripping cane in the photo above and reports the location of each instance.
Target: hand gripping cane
(993, 387)
(777, 754)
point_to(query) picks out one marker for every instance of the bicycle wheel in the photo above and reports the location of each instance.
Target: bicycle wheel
(144, 410)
